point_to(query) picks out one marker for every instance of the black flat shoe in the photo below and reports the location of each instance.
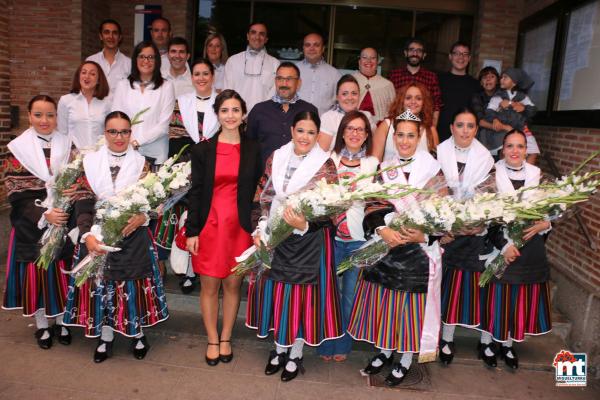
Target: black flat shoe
(102, 356)
(490, 361)
(372, 370)
(287, 376)
(62, 339)
(445, 358)
(391, 380)
(212, 361)
(512, 362)
(140, 353)
(271, 369)
(44, 343)
(225, 358)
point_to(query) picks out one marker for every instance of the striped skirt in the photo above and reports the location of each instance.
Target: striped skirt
(124, 306)
(30, 288)
(308, 312)
(511, 311)
(167, 227)
(388, 319)
(462, 298)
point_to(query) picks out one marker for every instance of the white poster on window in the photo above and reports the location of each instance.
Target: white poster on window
(579, 86)
(538, 48)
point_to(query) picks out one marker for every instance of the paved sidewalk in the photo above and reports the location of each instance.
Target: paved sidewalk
(175, 369)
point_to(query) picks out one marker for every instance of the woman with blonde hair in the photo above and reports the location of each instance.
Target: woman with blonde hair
(215, 49)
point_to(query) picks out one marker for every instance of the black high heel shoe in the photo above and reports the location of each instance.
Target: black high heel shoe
(490, 361)
(62, 339)
(140, 353)
(287, 376)
(391, 380)
(271, 369)
(187, 289)
(225, 358)
(44, 343)
(212, 361)
(446, 358)
(100, 356)
(372, 370)
(512, 362)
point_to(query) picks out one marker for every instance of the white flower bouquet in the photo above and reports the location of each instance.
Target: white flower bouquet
(112, 215)
(325, 200)
(544, 202)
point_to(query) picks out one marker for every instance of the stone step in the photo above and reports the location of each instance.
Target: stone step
(189, 303)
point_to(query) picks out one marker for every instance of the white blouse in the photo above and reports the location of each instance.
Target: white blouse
(118, 70)
(153, 133)
(83, 122)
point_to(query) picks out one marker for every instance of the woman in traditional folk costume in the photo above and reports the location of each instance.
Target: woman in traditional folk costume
(298, 297)
(396, 305)
(518, 303)
(130, 295)
(36, 155)
(352, 157)
(193, 121)
(468, 168)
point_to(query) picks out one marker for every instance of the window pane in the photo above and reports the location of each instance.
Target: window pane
(439, 32)
(580, 86)
(352, 33)
(230, 18)
(288, 24)
(538, 46)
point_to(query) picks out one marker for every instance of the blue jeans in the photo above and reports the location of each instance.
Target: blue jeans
(346, 283)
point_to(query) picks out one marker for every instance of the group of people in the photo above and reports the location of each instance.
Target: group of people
(260, 130)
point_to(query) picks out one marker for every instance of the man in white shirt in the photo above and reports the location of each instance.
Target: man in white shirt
(160, 32)
(177, 70)
(376, 92)
(251, 73)
(115, 65)
(319, 79)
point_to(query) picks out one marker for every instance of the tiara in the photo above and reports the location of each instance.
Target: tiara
(408, 116)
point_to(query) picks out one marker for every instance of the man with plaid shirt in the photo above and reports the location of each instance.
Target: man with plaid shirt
(414, 51)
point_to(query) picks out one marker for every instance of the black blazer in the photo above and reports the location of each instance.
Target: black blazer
(204, 157)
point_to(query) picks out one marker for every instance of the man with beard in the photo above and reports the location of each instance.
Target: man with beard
(270, 122)
(415, 54)
(177, 70)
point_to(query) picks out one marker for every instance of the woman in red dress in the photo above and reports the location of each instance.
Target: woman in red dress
(225, 172)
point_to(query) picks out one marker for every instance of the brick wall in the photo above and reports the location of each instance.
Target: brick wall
(94, 12)
(45, 49)
(568, 249)
(4, 92)
(495, 33)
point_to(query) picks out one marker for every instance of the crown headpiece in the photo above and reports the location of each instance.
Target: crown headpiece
(408, 116)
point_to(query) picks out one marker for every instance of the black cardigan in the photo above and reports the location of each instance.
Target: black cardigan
(204, 157)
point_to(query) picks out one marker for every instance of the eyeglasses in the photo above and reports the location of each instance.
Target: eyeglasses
(459, 54)
(355, 129)
(146, 58)
(286, 78)
(417, 50)
(251, 73)
(114, 133)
